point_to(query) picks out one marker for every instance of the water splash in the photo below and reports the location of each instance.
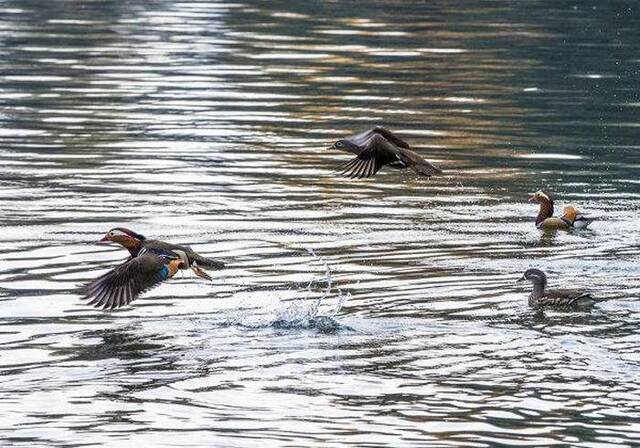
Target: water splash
(303, 311)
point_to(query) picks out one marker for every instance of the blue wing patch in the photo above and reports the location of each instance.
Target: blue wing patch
(164, 272)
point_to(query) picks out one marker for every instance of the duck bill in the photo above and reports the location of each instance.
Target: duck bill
(331, 147)
(521, 279)
(532, 198)
(103, 240)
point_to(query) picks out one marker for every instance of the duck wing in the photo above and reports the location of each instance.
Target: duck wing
(362, 138)
(164, 249)
(566, 298)
(126, 282)
(390, 136)
(376, 152)
(169, 250)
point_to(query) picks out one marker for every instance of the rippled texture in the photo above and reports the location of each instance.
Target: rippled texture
(206, 123)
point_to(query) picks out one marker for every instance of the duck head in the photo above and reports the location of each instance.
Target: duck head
(545, 199)
(541, 197)
(535, 276)
(125, 237)
(345, 145)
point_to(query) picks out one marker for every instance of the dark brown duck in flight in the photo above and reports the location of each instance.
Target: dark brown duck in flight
(376, 148)
(150, 263)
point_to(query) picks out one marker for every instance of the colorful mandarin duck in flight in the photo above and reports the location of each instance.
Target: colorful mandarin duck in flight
(150, 263)
(571, 219)
(376, 148)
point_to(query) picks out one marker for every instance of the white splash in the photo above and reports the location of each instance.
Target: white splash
(308, 308)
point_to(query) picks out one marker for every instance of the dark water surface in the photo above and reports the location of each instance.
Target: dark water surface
(206, 123)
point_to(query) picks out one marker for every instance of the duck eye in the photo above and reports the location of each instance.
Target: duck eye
(111, 233)
(339, 144)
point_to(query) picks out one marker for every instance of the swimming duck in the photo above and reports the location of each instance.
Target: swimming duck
(150, 263)
(554, 298)
(378, 147)
(572, 217)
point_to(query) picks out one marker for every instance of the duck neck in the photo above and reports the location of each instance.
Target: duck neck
(546, 211)
(539, 286)
(133, 246)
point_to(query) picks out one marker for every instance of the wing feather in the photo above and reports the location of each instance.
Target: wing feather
(369, 169)
(123, 284)
(362, 138)
(566, 298)
(357, 171)
(393, 138)
(376, 153)
(361, 167)
(348, 165)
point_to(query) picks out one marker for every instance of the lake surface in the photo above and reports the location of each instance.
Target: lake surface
(380, 312)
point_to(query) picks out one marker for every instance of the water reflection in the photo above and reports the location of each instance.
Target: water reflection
(119, 344)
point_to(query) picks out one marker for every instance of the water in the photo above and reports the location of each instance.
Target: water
(206, 123)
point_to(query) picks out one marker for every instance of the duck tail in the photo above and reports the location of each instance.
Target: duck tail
(587, 300)
(425, 168)
(582, 221)
(208, 263)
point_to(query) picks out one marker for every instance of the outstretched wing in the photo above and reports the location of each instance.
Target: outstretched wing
(125, 283)
(393, 138)
(376, 153)
(363, 138)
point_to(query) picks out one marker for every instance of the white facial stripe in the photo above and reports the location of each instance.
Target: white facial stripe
(543, 194)
(118, 233)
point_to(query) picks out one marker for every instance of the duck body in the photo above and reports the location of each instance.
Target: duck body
(571, 219)
(572, 215)
(174, 251)
(541, 297)
(562, 298)
(378, 147)
(553, 223)
(150, 262)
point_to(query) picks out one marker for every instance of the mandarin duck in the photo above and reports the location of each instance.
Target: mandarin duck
(554, 298)
(572, 217)
(150, 263)
(376, 148)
